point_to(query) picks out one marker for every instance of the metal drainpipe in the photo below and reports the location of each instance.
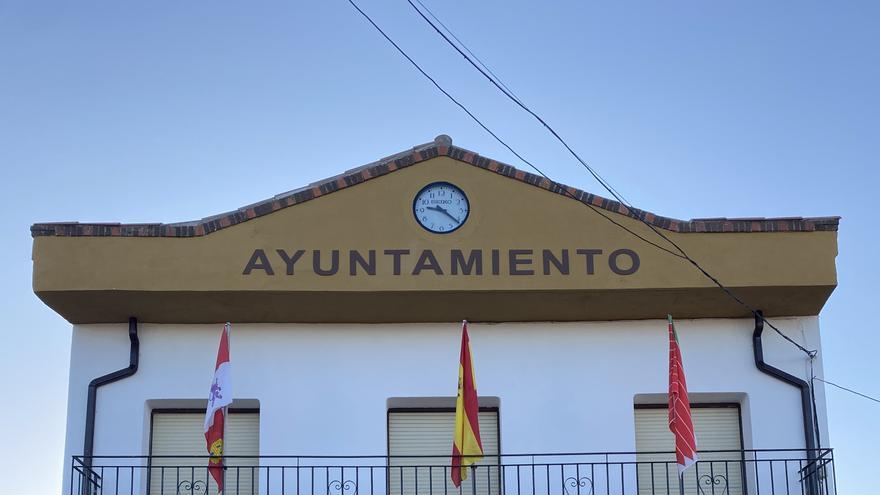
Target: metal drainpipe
(89, 442)
(806, 409)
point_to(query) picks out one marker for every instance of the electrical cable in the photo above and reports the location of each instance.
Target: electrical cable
(847, 389)
(488, 69)
(812, 354)
(813, 398)
(631, 211)
(501, 87)
(497, 138)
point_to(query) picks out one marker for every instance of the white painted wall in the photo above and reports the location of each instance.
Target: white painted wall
(322, 389)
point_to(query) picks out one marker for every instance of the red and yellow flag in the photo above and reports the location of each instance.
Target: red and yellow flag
(680, 423)
(466, 445)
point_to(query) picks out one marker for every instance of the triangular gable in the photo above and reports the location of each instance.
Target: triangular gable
(349, 249)
(441, 146)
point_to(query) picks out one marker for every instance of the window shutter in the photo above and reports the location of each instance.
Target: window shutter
(183, 434)
(423, 433)
(716, 428)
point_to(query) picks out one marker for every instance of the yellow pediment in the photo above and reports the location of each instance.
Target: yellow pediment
(351, 249)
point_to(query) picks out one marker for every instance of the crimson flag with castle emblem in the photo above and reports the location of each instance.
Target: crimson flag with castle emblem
(215, 416)
(680, 423)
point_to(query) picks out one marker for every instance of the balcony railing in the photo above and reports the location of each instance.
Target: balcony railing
(743, 472)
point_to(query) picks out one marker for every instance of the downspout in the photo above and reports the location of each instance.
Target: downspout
(806, 408)
(89, 441)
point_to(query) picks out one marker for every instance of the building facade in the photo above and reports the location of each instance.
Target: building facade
(346, 297)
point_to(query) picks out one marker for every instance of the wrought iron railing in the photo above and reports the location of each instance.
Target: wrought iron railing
(782, 472)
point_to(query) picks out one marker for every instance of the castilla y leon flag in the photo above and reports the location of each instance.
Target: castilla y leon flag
(215, 416)
(680, 422)
(466, 445)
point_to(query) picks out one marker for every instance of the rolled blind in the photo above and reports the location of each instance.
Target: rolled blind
(417, 433)
(182, 434)
(716, 428)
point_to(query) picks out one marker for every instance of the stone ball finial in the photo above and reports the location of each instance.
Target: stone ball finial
(443, 140)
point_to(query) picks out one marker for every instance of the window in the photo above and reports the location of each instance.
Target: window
(182, 433)
(717, 427)
(429, 432)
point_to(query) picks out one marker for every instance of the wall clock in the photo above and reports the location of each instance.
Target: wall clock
(441, 207)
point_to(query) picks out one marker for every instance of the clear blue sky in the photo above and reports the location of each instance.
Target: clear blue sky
(171, 111)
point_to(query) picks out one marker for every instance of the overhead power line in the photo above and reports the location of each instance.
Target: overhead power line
(497, 138)
(503, 88)
(847, 389)
(812, 354)
(681, 254)
(483, 64)
(631, 210)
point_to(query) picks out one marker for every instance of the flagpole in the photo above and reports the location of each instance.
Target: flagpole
(227, 328)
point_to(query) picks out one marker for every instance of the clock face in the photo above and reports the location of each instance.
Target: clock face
(441, 207)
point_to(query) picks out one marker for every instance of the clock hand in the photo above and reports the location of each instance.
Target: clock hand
(444, 211)
(452, 217)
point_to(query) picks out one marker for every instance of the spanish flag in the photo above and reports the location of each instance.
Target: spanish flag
(466, 445)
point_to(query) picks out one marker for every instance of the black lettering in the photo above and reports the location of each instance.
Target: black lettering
(561, 265)
(334, 263)
(516, 261)
(474, 262)
(496, 262)
(355, 259)
(427, 261)
(590, 254)
(634, 261)
(290, 260)
(397, 254)
(258, 261)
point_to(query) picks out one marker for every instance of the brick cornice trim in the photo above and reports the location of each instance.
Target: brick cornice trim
(440, 147)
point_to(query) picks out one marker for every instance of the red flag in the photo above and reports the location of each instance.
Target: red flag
(467, 448)
(680, 422)
(215, 416)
